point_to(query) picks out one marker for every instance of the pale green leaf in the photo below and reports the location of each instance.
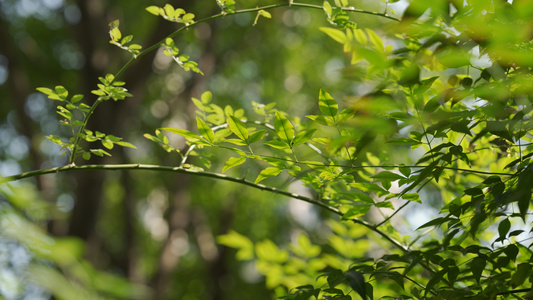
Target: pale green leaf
(154, 10)
(268, 172)
(327, 105)
(284, 128)
(377, 42)
(335, 34)
(235, 240)
(303, 136)
(233, 162)
(205, 130)
(238, 128)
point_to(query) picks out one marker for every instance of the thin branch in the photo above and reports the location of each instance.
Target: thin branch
(72, 167)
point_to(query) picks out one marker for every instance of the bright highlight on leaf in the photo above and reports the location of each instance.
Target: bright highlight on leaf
(233, 162)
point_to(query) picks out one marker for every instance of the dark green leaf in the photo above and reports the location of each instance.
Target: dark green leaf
(357, 282)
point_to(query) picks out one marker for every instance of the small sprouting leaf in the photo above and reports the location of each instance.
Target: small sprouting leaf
(61, 92)
(238, 128)
(115, 34)
(154, 10)
(327, 8)
(268, 172)
(265, 14)
(55, 139)
(169, 10)
(126, 39)
(206, 97)
(205, 130)
(187, 18)
(233, 162)
(335, 34)
(284, 128)
(108, 144)
(327, 105)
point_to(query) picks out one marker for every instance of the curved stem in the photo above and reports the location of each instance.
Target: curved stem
(72, 167)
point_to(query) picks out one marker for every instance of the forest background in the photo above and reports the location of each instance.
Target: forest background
(335, 150)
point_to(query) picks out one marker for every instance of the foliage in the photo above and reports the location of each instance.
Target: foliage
(442, 105)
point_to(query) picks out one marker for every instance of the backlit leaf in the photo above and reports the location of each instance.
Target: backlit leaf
(205, 130)
(284, 128)
(233, 162)
(268, 172)
(238, 128)
(327, 105)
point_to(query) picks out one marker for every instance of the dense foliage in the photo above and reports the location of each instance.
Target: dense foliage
(412, 151)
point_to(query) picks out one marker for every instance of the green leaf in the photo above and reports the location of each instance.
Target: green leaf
(412, 197)
(504, 227)
(303, 136)
(236, 142)
(115, 34)
(335, 34)
(327, 105)
(523, 271)
(356, 211)
(61, 92)
(86, 155)
(385, 204)
(268, 172)
(189, 136)
(55, 139)
(284, 128)
(387, 175)
(256, 136)
(277, 144)
(238, 128)
(125, 144)
(206, 97)
(357, 282)
(233, 162)
(376, 40)
(108, 144)
(477, 266)
(205, 130)
(328, 9)
(154, 10)
(265, 14)
(235, 240)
